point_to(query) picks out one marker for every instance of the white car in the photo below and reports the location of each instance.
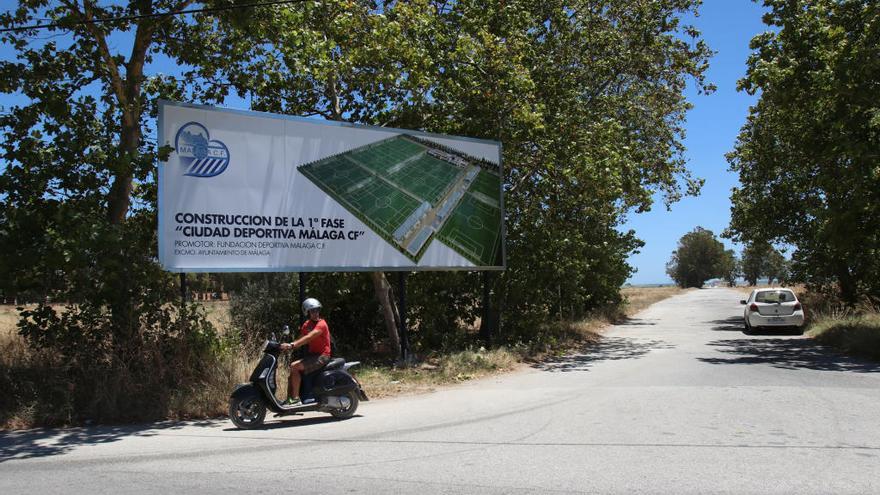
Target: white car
(773, 308)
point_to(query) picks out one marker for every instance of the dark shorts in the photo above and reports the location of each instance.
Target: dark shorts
(314, 362)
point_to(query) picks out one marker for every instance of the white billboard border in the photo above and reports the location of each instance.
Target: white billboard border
(160, 135)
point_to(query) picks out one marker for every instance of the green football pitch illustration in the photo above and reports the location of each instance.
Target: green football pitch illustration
(412, 192)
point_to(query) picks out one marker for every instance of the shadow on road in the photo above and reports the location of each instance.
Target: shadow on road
(732, 324)
(293, 421)
(634, 322)
(26, 444)
(792, 353)
(607, 349)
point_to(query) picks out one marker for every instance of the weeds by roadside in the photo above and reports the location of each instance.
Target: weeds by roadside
(856, 335)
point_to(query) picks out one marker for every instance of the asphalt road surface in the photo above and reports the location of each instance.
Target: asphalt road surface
(678, 400)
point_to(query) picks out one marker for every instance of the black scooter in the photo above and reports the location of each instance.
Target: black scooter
(330, 389)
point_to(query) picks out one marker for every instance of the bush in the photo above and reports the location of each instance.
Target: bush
(856, 335)
(263, 306)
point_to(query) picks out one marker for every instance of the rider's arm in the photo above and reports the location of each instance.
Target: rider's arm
(305, 339)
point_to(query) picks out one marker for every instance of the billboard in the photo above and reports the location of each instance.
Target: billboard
(250, 191)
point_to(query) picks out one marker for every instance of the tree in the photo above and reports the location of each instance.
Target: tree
(760, 259)
(807, 155)
(729, 268)
(78, 187)
(699, 257)
(776, 267)
(754, 261)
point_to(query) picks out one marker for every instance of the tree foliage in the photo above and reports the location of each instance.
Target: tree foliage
(760, 259)
(698, 258)
(586, 96)
(807, 155)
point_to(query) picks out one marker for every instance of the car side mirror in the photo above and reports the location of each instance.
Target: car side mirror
(742, 301)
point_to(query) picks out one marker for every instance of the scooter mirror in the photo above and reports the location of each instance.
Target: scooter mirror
(286, 331)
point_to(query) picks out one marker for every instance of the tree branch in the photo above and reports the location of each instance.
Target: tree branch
(100, 39)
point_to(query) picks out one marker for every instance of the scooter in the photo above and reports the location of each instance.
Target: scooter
(331, 389)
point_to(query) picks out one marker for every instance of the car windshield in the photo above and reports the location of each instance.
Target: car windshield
(774, 296)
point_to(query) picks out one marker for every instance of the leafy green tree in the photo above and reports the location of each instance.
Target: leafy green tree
(729, 268)
(78, 185)
(760, 259)
(754, 261)
(776, 267)
(698, 258)
(807, 155)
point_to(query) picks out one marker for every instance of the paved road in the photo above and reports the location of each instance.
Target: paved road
(676, 401)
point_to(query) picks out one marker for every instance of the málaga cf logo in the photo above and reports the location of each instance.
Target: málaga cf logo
(202, 156)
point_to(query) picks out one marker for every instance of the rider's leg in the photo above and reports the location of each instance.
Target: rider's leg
(294, 379)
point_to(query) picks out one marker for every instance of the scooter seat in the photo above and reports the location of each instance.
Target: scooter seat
(335, 363)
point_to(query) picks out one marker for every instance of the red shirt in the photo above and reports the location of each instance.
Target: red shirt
(321, 343)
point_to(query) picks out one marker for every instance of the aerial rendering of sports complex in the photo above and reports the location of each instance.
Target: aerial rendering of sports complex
(412, 191)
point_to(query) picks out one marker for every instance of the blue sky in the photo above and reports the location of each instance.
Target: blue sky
(712, 127)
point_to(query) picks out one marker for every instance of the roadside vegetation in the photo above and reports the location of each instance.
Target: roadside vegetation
(38, 391)
(856, 335)
(851, 329)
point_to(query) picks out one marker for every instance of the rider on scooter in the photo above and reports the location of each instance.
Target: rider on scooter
(316, 334)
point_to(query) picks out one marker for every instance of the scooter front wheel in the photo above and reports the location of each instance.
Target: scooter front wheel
(247, 412)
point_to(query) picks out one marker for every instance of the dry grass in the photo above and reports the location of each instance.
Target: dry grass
(435, 372)
(639, 298)
(13, 348)
(210, 397)
(856, 335)
(218, 314)
(8, 319)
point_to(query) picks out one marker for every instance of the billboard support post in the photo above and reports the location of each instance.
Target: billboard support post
(401, 308)
(485, 321)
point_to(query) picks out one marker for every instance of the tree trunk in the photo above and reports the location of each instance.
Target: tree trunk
(389, 308)
(848, 291)
(380, 282)
(119, 198)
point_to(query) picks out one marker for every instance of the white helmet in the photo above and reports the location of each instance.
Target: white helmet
(310, 303)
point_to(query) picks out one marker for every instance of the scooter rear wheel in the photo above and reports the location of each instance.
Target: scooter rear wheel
(247, 412)
(348, 411)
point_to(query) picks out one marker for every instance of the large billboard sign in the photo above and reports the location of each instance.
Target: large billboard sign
(248, 191)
